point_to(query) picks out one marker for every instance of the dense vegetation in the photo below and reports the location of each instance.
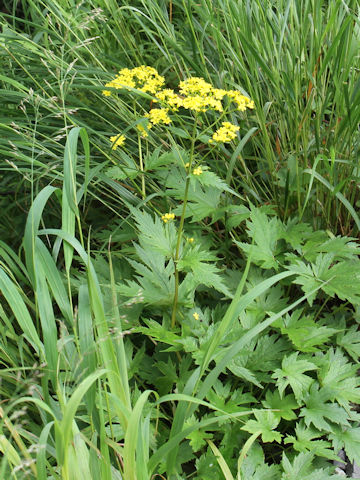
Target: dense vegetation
(179, 269)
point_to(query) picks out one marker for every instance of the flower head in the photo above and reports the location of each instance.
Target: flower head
(242, 102)
(197, 171)
(117, 141)
(167, 217)
(225, 134)
(142, 78)
(158, 115)
(143, 130)
(196, 316)
(170, 98)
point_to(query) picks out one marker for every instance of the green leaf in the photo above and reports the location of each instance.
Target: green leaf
(292, 373)
(203, 273)
(286, 405)
(339, 378)
(265, 423)
(317, 410)
(264, 234)
(349, 340)
(197, 437)
(301, 468)
(305, 334)
(349, 439)
(154, 235)
(305, 441)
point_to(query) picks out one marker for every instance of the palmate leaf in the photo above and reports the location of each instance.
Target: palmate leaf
(265, 423)
(203, 273)
(341, 280)
(349, 340)
(318, 412)
(349, 439)
(283, 406)
(254, 467)
(306, 441)
(265, 234)
(301, 468)
(339, 378)
(154, 235)
(292, 373)
(201, 204)
(305, 334)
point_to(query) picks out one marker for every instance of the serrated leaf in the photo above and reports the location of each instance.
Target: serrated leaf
(301, 468)
(350, 440)
(339, 378)
(349, 340)
(203, 273)
(318, 412)
(305, 334)
(264, 234)
(286, 405)
(265, 423)
(292, 373)
(154, 235)
(305, 441)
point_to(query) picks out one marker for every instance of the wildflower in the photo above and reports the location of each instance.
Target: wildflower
(169, 97)
(242, 102)
(143, 130)
(187, 164)
(190, 240)
(142, 78)
(197, 171)
(196, 316)
(167, 217)
(158, 115)
(107, 93)
(117, 141)
(195, 86)
(226, 133)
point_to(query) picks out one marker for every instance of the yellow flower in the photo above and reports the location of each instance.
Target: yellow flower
(158, 115)
(190, 240)
(195, 86)
(226, 133)
(107, 93)
(143, 130)
(197, 171)
(171, 99)
(142, 78)
(167, 217)
(196, 316)
(187, 164)
(242, 102)
(117, 141)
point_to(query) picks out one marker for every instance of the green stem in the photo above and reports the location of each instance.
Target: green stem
(181, 227)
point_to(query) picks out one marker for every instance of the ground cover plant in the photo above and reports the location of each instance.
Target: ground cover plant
(179, 256)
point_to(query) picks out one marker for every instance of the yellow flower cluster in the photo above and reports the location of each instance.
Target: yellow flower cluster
(169, 97)
(158, 115)
(241, 101)
(197, 171)
(226, 133)
(198, 95)
(144, 130)
(117, 141)
(142, 78)
(167, 217)
(196, 316)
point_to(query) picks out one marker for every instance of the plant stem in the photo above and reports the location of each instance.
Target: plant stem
(181, 226)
